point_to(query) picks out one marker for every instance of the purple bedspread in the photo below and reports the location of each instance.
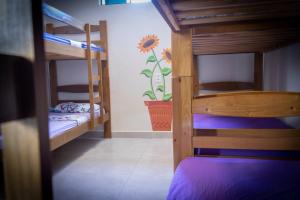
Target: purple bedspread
(202, 121)
(235, 178)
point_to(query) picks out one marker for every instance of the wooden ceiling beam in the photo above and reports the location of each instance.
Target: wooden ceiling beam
(213, 4)
(271, 9)
(240, 18)
(166, 11)
(239, 48)
(246, 26)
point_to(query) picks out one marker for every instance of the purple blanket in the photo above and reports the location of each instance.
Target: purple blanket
(202, 121)
(235, 178)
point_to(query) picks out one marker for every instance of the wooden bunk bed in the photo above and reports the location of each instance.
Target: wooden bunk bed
(228, 27)
(57, 51)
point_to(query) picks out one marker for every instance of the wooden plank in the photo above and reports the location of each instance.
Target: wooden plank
(54, 48)
(57, 51)
(226, 86)
(258, 71)
(53, 82)
(97, 100)
(100, 82)
(182, 118)
(166, 11)
(74, 100)
(21, 159)
(249, 104)
(235, 42)
(105, 79)
(42, 105)
(273, 9)
(235, 18)
(182, 55)
(96, 77)
(87, 29)
(249, 26)
(80, 88)
(67, 29)
(195, 76)
(252, 139)
(208, 4)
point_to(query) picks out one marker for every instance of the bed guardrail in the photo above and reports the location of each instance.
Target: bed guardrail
(249, 104)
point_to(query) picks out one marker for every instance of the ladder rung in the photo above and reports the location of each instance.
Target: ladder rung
(97, 100)
(96, 77)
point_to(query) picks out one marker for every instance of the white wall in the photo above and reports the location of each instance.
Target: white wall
(127, 24)
(282, 73)
(281, 70)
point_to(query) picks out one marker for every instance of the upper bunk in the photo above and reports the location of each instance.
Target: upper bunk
(242, 26)
(61, 48)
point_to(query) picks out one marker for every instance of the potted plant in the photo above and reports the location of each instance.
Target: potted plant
(160, 104)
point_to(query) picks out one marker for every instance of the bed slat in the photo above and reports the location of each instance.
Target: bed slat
(76, 88)
(71, 30)
(226, 86)
(249, 104)
(251, 139)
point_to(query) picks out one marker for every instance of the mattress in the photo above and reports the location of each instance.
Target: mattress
(235, 178)
(204, 121)
(65, 41)
(61, 122)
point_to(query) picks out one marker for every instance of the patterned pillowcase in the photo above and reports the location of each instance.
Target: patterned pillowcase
(71, 107)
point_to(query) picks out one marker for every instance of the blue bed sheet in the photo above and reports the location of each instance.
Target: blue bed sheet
(65, 41)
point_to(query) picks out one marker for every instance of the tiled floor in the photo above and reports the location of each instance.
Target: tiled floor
(118, 168)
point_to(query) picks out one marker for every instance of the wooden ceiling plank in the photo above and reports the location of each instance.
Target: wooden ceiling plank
(211, 4)
(234, 18)
(164, 8)
(276, 7)
(246, 26)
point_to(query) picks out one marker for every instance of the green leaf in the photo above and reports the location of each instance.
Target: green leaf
(167, 97)
(166, 71)
(160, 88)
(151, 58)
(150, 94)
(147, 72)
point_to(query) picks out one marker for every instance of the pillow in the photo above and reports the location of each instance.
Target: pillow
(72, 107)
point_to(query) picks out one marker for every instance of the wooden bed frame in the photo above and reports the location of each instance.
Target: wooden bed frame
(223, 27)
(56, 51)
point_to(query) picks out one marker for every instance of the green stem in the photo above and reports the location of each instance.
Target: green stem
(151, 84)
(163, 77)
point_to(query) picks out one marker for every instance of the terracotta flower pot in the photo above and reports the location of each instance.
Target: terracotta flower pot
(160, 114)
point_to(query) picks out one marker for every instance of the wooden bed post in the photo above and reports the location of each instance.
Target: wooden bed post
(26, 155)
(105, 81)
(87, 29)
(182, 88)
(195, 76)
(52, 74)
(258, 71)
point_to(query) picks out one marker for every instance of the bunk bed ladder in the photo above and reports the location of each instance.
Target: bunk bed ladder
(92, 77)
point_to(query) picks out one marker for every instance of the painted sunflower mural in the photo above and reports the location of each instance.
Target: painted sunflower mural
(160, 104)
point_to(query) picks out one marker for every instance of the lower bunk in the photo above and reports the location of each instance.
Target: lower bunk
(241, 146)
(70, 124)
(202, 178)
